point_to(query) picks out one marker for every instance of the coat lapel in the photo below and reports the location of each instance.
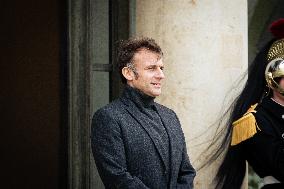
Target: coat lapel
(171, 124)
(142, 120)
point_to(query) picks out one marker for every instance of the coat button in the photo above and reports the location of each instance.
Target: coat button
(283, 116)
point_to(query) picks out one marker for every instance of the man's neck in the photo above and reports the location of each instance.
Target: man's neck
(139, 97)
(278, 98)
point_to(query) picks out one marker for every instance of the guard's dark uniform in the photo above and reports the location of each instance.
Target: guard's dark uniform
(265, 150)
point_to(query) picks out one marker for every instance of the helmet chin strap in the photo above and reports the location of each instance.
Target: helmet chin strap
(278, 87)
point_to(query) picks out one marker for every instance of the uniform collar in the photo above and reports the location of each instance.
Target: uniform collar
(276, 109)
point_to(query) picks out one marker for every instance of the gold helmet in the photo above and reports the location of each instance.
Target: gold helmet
(275, 69)
(275, 57)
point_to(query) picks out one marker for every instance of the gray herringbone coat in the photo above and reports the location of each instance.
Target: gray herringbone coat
(128, 152)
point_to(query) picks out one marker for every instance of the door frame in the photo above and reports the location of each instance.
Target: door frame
(80, 33)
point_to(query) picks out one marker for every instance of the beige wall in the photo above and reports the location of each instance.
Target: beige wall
(205, 47)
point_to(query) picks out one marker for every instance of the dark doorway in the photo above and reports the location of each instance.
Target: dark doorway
(33, 94)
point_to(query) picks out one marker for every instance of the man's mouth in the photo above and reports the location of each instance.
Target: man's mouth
(156, 84)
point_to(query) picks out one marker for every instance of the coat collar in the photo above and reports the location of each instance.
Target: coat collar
(172, 125)
(141, 118)
(167, 119)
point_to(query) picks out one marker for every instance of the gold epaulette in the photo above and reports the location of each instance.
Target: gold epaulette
(245, 127)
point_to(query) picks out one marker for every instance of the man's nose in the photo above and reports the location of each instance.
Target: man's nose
(160, 74)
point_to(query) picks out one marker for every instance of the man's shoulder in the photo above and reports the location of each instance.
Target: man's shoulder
(112, 108)
(106, 119)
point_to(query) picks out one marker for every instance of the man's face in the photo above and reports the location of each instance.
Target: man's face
(149, 67)
(281, 84)
(276, 94)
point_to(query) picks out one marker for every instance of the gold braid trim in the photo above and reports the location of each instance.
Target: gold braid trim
(276, 50)
(245, 127)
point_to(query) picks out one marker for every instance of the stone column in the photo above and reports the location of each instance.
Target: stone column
(205, 48)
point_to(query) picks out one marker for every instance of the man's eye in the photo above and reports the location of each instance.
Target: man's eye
(162, 68)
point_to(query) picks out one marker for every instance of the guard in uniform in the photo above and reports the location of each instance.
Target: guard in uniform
(256, 130)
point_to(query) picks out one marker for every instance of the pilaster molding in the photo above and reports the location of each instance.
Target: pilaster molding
(78, 94)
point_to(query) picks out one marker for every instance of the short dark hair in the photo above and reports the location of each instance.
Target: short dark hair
(128, 48)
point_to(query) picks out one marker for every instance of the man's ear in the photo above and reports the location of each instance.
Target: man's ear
(127, 73)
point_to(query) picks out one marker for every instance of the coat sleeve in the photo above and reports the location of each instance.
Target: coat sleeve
(186, 172)
(109, 153)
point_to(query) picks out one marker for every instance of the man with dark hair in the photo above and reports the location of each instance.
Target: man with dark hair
(136, 142)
